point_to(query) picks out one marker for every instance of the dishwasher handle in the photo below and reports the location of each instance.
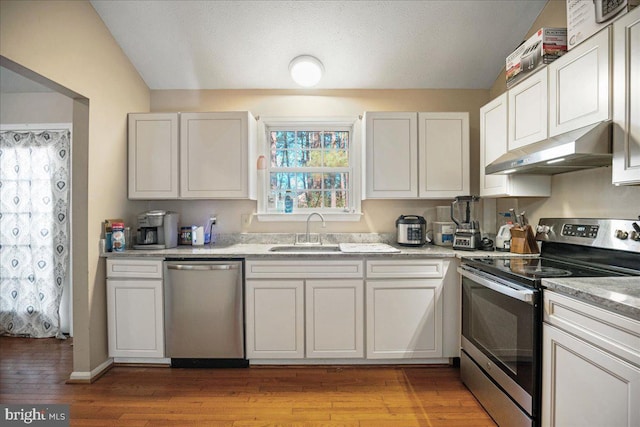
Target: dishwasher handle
(202, 267)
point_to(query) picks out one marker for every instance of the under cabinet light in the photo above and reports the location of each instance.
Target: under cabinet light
(561, 159)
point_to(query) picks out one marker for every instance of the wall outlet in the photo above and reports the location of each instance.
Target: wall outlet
(246, 219)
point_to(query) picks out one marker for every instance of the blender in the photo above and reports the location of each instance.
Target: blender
(463, 213)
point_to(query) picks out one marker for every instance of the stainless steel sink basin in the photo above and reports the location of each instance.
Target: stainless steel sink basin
(305, 249)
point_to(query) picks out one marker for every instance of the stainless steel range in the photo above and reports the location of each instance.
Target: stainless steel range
(502, 314)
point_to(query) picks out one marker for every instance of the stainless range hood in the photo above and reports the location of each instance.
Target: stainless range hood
(584, 148)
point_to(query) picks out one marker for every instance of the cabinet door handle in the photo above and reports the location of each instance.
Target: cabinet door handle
(202, 267)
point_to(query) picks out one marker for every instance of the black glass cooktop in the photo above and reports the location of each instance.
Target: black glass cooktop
(532, 270)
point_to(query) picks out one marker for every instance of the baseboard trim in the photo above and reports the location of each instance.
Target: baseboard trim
(84, 377)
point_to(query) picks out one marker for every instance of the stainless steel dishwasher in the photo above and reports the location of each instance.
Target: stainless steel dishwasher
(204, 314)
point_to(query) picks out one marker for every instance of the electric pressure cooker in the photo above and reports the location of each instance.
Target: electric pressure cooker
(411, 230)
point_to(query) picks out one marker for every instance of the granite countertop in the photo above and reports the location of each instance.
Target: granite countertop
(261, 250)
(257, 245)
(618, 294)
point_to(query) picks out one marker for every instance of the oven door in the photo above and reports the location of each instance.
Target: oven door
(501, 333)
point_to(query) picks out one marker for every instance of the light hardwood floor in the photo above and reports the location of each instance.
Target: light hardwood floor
(35, 370)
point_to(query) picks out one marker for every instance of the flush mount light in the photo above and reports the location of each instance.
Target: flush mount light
(306, 70)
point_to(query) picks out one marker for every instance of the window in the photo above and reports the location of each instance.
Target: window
(313, 161)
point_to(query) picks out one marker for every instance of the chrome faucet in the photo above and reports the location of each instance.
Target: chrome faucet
(308, 235)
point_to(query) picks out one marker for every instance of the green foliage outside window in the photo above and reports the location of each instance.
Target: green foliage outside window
(314, 164)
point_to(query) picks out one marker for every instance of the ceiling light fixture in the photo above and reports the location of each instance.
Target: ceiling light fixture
(306, 70)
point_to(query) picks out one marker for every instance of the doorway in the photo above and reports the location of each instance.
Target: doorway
(52, 103)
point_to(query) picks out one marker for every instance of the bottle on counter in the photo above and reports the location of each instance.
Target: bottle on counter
(118, 240)
(209, 230)
(197, 236)
(503, 238)
(288, 202)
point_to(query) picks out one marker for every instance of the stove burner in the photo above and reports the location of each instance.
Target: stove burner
(537, 271)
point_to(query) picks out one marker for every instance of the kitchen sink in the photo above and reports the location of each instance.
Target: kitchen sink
(305, 249)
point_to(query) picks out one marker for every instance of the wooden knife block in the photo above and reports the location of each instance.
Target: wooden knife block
(523, 240)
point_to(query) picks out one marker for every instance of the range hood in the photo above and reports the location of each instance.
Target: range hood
(584, 148)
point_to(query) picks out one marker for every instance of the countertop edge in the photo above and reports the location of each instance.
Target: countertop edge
(620, 295)
(261, 251)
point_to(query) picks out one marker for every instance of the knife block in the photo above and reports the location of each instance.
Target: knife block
(523, 241)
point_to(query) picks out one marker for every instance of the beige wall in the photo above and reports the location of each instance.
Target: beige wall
(67, 42)
(553, 15)
(379, 215)
(585, 194)
(41, 107)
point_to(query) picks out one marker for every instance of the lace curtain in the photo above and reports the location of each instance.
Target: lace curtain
(34, 230)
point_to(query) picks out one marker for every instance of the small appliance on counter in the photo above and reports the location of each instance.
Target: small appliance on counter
(463, 213)
(411, 230)
(443, 232)
(157, 230)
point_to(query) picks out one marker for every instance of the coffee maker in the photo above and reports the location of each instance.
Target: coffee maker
(157, 230)
(463, 213)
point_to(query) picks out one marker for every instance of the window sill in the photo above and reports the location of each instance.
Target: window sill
(301, 217)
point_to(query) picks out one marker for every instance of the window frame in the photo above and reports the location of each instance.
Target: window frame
(267, 124)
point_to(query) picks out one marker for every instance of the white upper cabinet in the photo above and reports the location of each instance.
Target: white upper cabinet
(214, 155)
(391, 143)
(528, 111)
(411, 155)
(579, 85)
(626, 99)
(153, 156)
(192, 156)
(493, 144)
(443, 150)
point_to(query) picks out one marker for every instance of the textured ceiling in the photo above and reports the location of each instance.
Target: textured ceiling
(362, 44)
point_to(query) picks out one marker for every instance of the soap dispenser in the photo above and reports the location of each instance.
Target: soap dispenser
(209, 234)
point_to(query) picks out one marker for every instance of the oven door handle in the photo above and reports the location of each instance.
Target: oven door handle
(525, 295)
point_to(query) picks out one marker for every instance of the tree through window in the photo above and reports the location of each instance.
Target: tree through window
(314, 164)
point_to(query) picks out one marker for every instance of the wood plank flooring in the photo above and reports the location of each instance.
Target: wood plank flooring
(35, 371)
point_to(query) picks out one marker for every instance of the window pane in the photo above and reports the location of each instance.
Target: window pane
(298, 151)
(310, 199)
(281, 142)
(335, 199)
(309, 181)
(285, 158)
(309, 140)
(282, 181)
(337, 140)
(336, 180)
(336, 158)
(312, 158)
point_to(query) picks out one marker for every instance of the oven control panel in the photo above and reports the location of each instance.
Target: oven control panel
(618, 234)
(578, 230)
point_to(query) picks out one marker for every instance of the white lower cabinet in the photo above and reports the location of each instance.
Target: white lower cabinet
(404, 309)
(373, 309)
(404, 319)
(275, 319)
(591, 365)
(280, 292)
(334, 318)
(135, 314)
